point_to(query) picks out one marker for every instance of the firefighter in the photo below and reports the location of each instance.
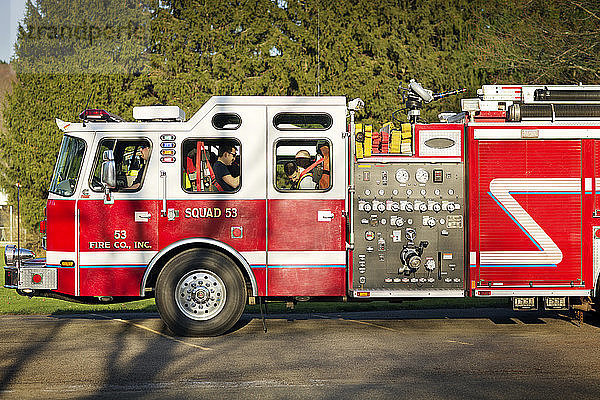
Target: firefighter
(305, 179)
(145, 151)
(291, 171)
(227, 154)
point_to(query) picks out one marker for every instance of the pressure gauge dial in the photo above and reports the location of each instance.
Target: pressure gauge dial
(429, 264)
(422, 176)
(367, 207)
(402, 175)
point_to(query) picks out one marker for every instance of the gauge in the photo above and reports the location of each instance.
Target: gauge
(367, 207)
(422, 176)
(402, 175)
(369, 235)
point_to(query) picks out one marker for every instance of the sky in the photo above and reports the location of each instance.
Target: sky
(11, 12)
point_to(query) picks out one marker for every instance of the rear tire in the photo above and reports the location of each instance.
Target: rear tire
(200, 292)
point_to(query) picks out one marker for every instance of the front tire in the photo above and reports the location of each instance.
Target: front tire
(200, 292)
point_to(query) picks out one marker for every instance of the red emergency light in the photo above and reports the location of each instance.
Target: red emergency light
(96, 114)
(43, 226)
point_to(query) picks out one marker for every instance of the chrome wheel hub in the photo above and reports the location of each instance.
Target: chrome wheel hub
(200, 294)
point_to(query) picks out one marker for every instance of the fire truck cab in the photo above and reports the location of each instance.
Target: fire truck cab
(275, 197)
(138, 208)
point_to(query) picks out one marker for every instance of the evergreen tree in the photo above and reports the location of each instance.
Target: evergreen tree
(539, 42)
(67, 51)
(297, 47)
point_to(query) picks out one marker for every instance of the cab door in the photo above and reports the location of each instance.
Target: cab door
(197, 210)
(117, 238)
(305, 214)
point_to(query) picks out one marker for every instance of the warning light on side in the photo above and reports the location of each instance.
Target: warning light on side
(237, 232)
(37, 278)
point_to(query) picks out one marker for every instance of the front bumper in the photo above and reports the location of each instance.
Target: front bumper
(31, 275)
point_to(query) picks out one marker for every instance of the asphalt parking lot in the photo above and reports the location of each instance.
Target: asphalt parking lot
(429, 354)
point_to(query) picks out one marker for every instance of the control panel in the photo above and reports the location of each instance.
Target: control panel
(409, 228)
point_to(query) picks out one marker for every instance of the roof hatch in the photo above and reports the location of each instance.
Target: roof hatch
(158, 113)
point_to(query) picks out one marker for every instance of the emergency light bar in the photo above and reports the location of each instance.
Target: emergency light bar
(96, 114)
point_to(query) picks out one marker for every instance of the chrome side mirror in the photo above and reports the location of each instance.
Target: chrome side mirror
(108, 175)
(109, 171)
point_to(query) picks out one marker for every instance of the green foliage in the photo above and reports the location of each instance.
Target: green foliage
(265, 47)
(539, 42)
(82, 36)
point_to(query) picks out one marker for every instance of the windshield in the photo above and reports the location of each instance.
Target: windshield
(68, 166)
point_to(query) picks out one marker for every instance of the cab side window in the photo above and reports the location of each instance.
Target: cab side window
(211, 165)
(131, 159)
(302, 164)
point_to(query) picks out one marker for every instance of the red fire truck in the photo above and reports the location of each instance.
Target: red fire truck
(275, 198)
